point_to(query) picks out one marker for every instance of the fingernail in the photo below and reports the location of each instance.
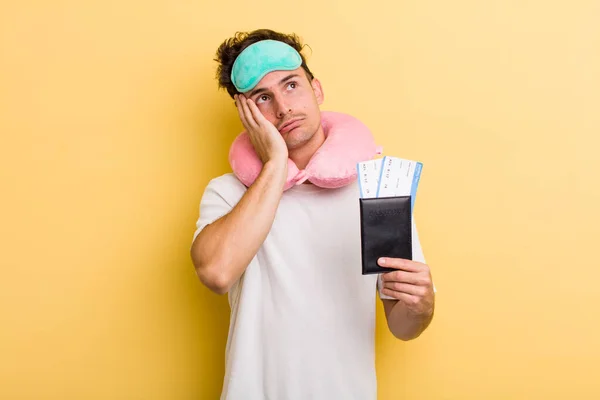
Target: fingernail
(381, 261)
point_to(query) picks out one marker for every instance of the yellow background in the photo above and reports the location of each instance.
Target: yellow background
(111, 126)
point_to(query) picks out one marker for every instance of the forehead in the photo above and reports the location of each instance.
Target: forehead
(274, 79)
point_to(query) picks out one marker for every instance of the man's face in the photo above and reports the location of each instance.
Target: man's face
(290, 102)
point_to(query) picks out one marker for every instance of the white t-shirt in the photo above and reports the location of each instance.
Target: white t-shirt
(302, 315)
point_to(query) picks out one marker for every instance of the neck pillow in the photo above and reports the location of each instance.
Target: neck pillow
(347, 142)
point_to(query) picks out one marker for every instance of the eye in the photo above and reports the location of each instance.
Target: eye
(292, 85)
(262, 98)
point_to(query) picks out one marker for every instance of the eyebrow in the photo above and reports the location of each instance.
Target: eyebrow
(261, 90)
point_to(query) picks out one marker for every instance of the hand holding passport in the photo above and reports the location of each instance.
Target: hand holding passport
(388, 190)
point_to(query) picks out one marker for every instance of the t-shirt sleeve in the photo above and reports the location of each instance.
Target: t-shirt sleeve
(418, 255)
(219, 198)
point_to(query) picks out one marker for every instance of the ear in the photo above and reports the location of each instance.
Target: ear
(318, 89)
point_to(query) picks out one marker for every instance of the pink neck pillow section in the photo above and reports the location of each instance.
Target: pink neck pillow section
(347, 142)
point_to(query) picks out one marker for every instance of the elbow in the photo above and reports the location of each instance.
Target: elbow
(214, 277)
(211, 269)
(216, 281)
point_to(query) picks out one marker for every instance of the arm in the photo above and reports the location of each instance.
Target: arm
(411, 310)
(223, 249)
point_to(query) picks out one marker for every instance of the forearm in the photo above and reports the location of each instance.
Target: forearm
(223, 249)
(403, 323)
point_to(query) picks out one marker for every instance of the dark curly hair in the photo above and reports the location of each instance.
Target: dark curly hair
(232, 47)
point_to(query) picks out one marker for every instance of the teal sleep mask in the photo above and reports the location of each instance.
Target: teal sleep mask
(260, 58)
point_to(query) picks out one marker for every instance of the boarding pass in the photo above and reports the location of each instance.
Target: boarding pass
(389, 177)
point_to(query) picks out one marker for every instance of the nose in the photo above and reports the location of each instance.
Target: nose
(282, 108)
(282, 113)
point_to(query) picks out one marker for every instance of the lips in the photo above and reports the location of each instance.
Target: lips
(291, 124)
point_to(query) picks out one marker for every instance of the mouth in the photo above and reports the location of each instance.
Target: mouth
(289, 125)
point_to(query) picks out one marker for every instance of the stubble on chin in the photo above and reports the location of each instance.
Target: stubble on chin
(297, 140)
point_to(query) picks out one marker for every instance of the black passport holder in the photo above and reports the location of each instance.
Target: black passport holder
(385, 231)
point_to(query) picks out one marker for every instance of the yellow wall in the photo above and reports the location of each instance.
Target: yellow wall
(111, 126)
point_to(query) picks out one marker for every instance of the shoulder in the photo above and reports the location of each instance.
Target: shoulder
(227, 186)
(227, 181)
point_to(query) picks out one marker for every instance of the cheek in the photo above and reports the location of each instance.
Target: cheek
(305, 101)
(267, 112)
(309, 103)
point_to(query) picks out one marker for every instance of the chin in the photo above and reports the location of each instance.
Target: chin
(296, 140)
(300, 136)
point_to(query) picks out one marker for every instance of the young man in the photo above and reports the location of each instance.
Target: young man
(302, 315)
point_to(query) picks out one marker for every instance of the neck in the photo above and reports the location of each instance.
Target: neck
(302, 155)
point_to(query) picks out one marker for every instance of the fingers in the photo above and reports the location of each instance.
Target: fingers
(256, 114)
(404, 277)
(238, 104)
(401, 263)
(245, 113)
(403, 297)
(406, 288)
(248, 113)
